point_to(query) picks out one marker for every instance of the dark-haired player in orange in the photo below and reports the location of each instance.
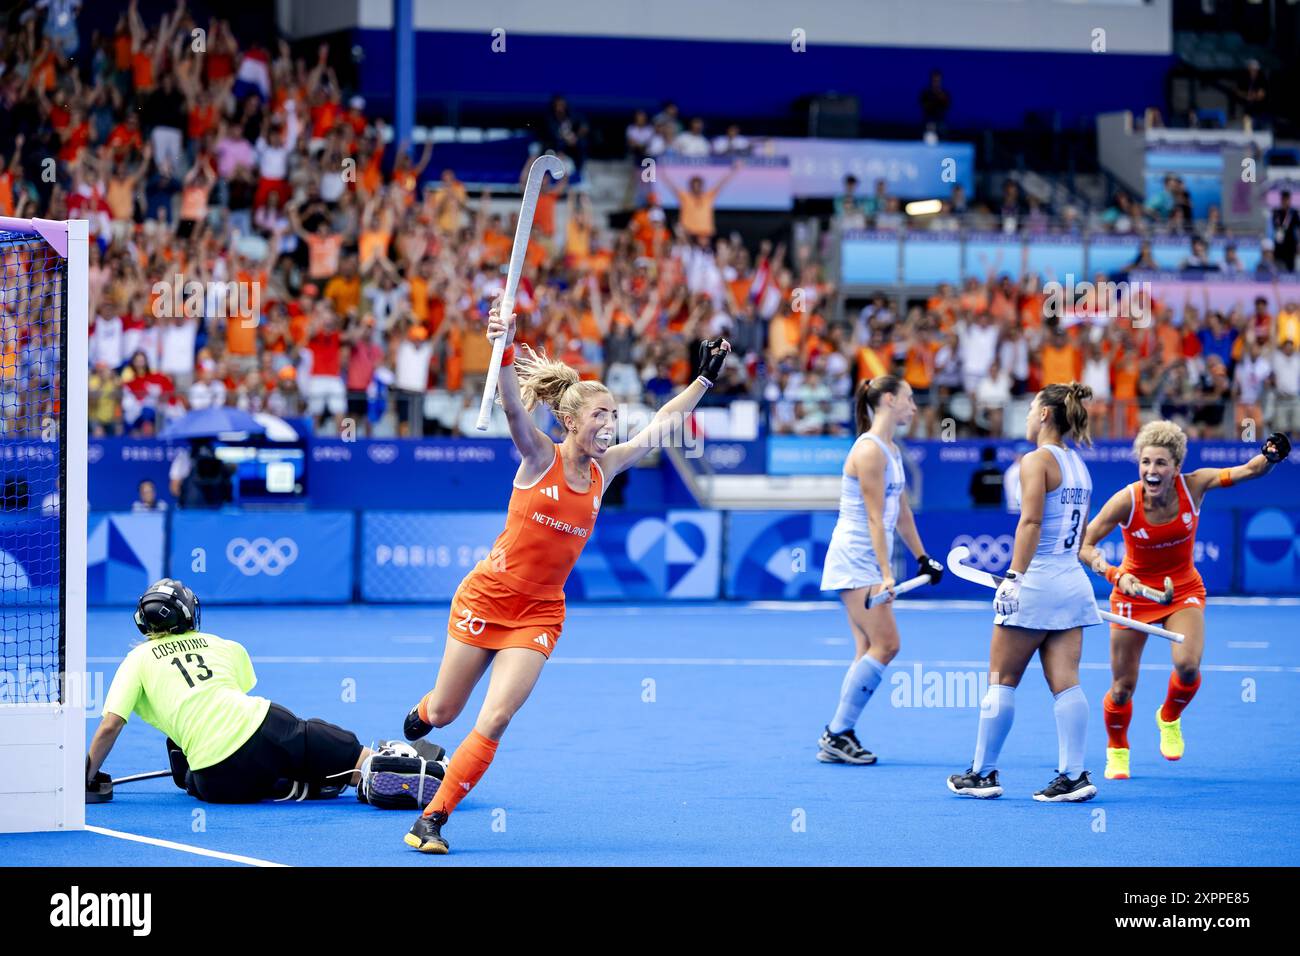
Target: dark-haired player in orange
(1159, 514)
(509, 610)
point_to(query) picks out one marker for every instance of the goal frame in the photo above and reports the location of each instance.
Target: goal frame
(43, 745)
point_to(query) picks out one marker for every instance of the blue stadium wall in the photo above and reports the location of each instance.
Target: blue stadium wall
(991, 89)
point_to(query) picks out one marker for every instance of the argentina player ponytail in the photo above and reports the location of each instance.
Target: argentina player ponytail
(1068, 403)
(868, 396)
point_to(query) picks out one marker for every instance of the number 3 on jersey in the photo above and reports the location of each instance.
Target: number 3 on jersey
(1074, 528)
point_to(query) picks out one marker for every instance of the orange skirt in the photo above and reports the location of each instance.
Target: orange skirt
(1189, 591)
(485, 614)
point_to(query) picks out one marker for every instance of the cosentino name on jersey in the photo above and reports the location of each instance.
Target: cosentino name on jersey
(559, 525)
(168, 648)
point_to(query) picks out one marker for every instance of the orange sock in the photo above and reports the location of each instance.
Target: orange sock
(1178, 696)
(1118, 717)
(468, 764)
(424, 714)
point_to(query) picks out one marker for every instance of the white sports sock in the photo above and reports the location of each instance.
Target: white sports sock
(860, 682)
(997, 712)
(1071, 710)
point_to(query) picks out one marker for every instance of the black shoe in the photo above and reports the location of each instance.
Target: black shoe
(426, 834)
(971, 784)
(1065, 790)
(842, 748)
(414, 726)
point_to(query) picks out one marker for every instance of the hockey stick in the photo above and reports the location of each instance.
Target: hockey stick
(911, 584)
(541, 166)
(967, 573)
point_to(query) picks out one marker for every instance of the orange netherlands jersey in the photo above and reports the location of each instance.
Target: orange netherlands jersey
(547, 525)
(1153, 552)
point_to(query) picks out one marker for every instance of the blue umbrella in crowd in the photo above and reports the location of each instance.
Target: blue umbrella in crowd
(213, 423)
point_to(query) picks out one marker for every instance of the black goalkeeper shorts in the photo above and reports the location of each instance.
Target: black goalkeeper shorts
(284, 747)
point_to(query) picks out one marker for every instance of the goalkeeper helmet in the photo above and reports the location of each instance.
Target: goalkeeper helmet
(167, 607)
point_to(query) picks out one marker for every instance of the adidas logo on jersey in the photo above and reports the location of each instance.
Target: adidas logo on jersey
(1187, 517)
(1193, 600)
(542, 639)
(1141, 533)
(552, 492)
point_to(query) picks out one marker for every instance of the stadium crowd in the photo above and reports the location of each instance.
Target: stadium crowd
(261, 242)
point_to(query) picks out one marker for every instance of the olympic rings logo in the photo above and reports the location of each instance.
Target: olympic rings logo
(262, 555)
(94, 453)
(382, 454)
(988, 553)
(726, 456)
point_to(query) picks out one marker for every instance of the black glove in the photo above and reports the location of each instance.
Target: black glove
(928, 565)
(100, 789)
(713, 353)
(1281, 447)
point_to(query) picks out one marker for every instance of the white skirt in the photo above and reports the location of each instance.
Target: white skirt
(1056, 595)
(851, 563)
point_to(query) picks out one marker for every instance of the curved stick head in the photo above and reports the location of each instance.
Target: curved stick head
(957, 557)
(546, 163)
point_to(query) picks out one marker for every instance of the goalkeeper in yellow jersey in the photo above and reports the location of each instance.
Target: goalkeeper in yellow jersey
(225, 745)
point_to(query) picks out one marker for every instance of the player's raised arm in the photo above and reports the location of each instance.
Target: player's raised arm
(536, 449)
(671, 415)
(1276, 448)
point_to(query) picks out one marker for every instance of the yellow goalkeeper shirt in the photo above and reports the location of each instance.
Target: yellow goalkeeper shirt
(194, 688)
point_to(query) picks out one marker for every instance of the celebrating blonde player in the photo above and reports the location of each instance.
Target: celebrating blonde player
(509, 610)
(1159, 514)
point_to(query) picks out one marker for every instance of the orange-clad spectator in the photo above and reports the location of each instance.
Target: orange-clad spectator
(355, 117)
(323, 247)
(648, 226)
(420, 288)
(122, 47)
(944, 303)
(125, 137)
(1126, 369)
(194, 199)
(696, 203)
(371, 176)
(496, 244)
(406, 175)
(449, 202)
(344, 289)
(872, 361)
(142, 71)
(376, 234)
(1288, 324)
(44, 69)
(458, 362)
(1170, 342)
(974, 297)
(76, 137)
(1061, 361)
(784, 334)
(202, 116)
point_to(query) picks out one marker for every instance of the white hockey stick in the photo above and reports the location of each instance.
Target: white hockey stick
(532, 189)
(967, 573)
(911, 584)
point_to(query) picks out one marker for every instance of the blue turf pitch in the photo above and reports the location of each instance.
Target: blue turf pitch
(686, 735)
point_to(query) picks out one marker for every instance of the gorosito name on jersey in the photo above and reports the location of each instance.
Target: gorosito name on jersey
(562, 526)
(1074, 496)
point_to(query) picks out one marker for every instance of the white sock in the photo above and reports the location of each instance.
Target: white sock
(997, 712)
(860, 683)
(1071, 710)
